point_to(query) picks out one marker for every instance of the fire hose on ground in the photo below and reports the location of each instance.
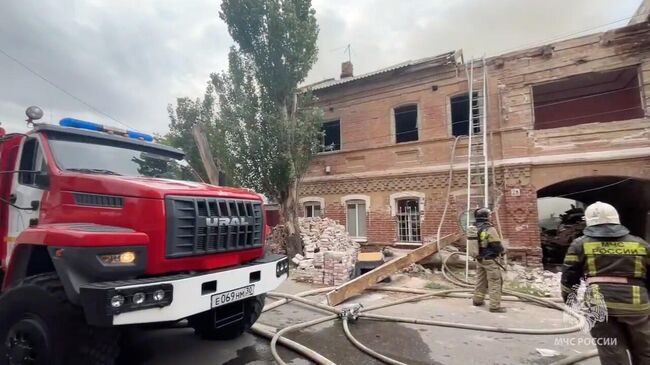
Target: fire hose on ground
(278, 336)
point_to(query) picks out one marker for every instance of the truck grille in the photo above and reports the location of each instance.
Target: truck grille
(199, 226)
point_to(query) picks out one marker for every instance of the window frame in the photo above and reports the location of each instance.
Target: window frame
(450, 119)
(321, 148)
(37, 157)
(417, 122)
(356, 203)
(312, 204)
(399, 217)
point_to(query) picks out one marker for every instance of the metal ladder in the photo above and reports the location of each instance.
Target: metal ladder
(477, 156)
(477, 161)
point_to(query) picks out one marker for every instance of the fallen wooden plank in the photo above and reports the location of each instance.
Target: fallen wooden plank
(361, 283)
(205, 154)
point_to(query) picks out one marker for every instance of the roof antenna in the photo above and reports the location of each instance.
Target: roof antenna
(348, 50)
(33, 113)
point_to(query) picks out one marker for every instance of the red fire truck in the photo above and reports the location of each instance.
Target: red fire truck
(103, 228)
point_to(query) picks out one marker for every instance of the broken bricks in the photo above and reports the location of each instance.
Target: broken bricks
(330, 254)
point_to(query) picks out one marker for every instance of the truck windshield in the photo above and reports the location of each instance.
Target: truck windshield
(97, 158)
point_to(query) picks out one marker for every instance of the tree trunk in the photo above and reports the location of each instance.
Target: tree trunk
(290, 216)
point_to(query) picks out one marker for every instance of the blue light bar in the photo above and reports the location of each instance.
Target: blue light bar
(138, 135)
(82, 124)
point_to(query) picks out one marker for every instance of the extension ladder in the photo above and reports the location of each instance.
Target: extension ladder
(477, 156)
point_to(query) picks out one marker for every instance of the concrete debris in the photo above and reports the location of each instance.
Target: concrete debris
(330, 254)
(296, 259)
(547, 352)
(416, 269)
(537, 281)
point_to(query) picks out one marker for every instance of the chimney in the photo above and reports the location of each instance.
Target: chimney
(346, 70)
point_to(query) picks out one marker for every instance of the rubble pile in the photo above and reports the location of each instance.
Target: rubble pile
(277, 243)
(539, 281)
(330, 254)
(557, 233)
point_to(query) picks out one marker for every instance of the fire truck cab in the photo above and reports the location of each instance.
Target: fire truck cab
(103, 228)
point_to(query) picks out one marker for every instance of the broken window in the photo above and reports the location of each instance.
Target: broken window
(331, 136)
(356, 218)
(312, 210)
(460, 114)
(588, 98)
(408, 221)
(406, 123)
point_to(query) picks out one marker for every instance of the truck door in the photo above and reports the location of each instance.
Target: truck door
(27, 189)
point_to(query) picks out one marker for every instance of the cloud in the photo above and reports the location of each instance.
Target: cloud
(130, 59)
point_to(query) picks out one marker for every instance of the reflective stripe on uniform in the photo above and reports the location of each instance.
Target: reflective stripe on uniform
(570, 259)
(627, 306)
(614, 248)
(591, 265)
(636, 294)
(638, 267)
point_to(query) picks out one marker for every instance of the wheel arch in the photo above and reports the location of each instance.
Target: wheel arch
(27, 260)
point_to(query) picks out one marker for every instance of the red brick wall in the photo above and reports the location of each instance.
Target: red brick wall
(335, 211)
(519, 224)
(382, 227)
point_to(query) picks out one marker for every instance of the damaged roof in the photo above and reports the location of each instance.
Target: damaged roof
(449, 58)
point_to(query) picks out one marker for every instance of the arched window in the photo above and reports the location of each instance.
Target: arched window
(312, 206)
(407, 208)
(356, 208)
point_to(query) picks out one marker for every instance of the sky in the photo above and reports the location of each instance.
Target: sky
(121, 62)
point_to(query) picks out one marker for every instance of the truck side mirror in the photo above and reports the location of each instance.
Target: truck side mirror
(42, 180)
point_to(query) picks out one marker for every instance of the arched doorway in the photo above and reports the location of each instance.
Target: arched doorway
(630, 196)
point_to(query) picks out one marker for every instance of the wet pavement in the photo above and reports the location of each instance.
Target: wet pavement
(411, 344)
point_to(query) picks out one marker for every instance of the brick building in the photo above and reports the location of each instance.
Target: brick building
(570, 117)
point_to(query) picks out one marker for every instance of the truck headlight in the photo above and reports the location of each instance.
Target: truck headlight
(159, 295)
(138, 298)
(117, 301)
(143, 297)
(123, 258)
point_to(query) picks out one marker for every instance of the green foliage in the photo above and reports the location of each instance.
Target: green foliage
(279, 38)
(267, 130)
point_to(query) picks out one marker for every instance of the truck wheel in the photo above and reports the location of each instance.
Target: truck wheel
(39, 326)
(229, 321)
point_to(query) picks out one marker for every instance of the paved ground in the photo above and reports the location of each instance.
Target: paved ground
(412, 344)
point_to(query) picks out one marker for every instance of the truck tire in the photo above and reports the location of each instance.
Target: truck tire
(39, 325)
(207, 324)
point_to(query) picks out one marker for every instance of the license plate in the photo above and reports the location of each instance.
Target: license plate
(233, 295)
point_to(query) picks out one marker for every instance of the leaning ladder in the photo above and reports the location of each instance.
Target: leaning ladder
(477, 164)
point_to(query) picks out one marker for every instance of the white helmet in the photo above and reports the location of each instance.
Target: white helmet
(601, 213)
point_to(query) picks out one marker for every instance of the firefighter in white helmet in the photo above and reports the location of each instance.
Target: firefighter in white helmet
(614, 265)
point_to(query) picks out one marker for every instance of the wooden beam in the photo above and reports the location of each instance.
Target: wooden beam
(206, 156)
(361, 283)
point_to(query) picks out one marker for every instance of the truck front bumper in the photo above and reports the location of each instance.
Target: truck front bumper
(171, 298)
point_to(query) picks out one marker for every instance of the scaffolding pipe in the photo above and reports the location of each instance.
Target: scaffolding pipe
(470, 96)
(486, 182)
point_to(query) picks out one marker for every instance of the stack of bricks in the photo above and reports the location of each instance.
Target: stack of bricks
(330, 254)
(278, 240)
